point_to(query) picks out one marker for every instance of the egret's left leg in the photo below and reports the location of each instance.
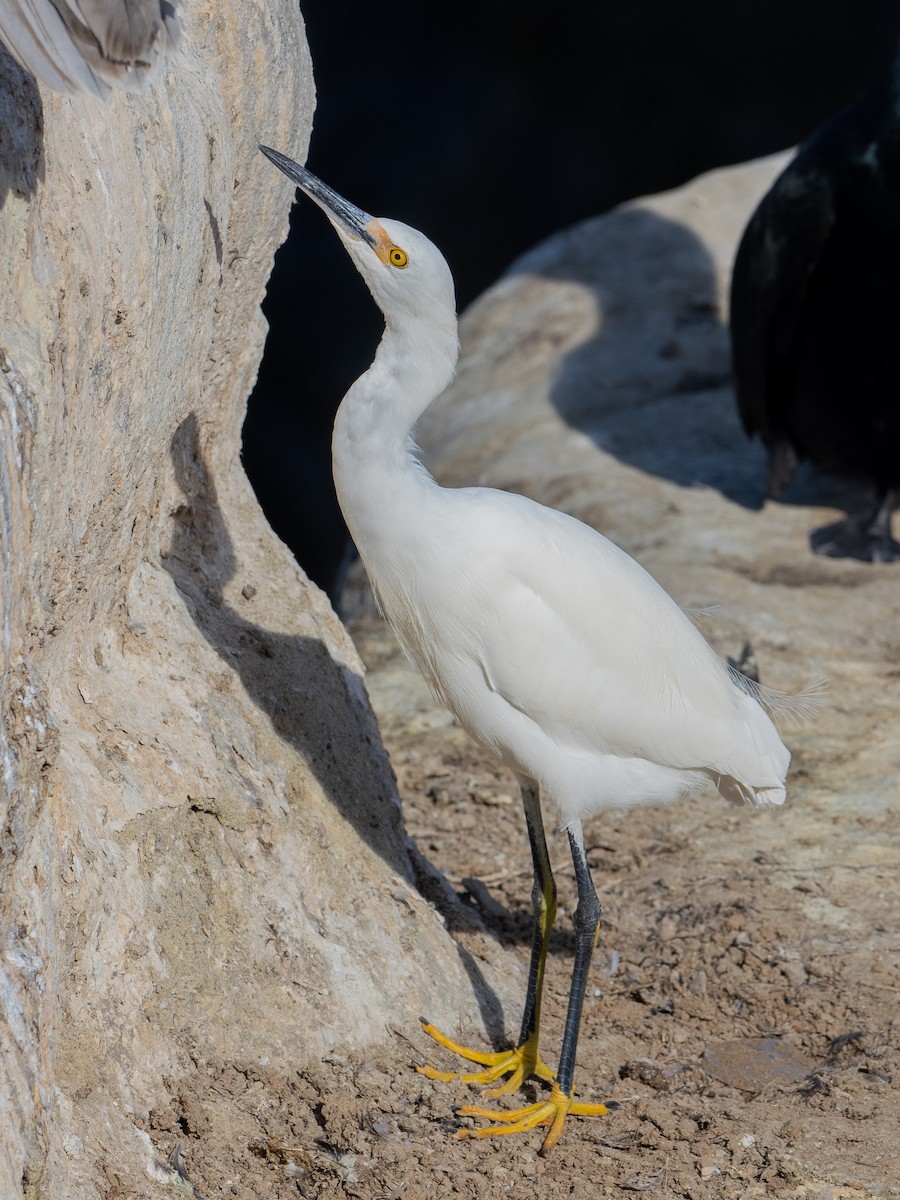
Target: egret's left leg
(523, 1060)
(561, 1102)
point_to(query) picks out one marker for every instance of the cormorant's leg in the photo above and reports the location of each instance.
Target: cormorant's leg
(524, 1059)
(884, 548)
(782, 467)
(560, 1103)
(865, 536)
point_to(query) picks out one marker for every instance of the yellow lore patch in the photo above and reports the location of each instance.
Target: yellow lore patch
(390, 254)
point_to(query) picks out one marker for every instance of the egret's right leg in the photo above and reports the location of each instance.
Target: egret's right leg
(523, 1060)
(561, 1102)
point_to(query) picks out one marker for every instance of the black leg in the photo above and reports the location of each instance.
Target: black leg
(543, 901)
(523, 1060)
(884, 548)
(560, 1103)
(782, 467)
(587, 925)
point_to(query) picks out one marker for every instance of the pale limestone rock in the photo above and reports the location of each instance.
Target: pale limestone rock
(201, 843)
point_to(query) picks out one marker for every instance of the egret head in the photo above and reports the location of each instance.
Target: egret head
(405, 273)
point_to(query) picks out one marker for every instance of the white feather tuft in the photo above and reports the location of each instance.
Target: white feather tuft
(793, 709)
(698, 615)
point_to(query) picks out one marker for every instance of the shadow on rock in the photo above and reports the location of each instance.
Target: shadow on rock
(654, 387)
(311, 700)
(21, 129)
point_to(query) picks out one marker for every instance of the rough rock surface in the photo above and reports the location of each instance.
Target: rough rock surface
(202, 854)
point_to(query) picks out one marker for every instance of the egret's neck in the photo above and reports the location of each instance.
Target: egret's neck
(376, 472)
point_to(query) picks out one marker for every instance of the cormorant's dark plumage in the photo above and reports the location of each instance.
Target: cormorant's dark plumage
(815, 315)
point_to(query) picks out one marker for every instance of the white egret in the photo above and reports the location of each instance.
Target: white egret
(550, 645)
(90, 45)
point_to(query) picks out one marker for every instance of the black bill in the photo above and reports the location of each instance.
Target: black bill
(353, 219)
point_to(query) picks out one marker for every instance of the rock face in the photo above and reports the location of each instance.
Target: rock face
(201, 844)
(595, 377)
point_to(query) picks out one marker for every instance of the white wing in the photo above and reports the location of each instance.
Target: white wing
(581, 639)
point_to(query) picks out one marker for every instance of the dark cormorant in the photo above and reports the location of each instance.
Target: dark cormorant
(815, 316)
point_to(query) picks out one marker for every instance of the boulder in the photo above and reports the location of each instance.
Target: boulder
(201, 845)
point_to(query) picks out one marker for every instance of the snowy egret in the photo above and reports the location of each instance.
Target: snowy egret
(90, 45)
(815, 309)
(550, 645)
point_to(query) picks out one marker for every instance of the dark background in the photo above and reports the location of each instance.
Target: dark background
(489, 129)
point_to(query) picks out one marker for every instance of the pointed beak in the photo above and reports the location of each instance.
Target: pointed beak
(352, 220)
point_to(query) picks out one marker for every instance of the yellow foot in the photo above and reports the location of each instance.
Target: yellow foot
(552, 1111)
(523, 1061)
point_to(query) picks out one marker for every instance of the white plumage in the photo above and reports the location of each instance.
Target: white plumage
(552, 647)
(563, 656)
(90, 45)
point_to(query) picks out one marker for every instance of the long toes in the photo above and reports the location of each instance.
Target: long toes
(434, 1073)
(522, 1062)
(519, 1074)
(499, 1114)
(476, 1056)
(540, 1070)
(517, 1120)
(552, 1112)
(554, 1133)
(496, 1130)
(578, 1109)
(487, 1076)
(507, 1087)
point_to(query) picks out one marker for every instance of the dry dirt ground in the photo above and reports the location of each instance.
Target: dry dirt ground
(742, 1006)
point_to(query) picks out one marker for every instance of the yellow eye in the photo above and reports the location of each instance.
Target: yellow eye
(398, 257)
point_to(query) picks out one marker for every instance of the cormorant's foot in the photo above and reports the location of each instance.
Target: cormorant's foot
(552, 1111)
(855, 537)
(521, 1063)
